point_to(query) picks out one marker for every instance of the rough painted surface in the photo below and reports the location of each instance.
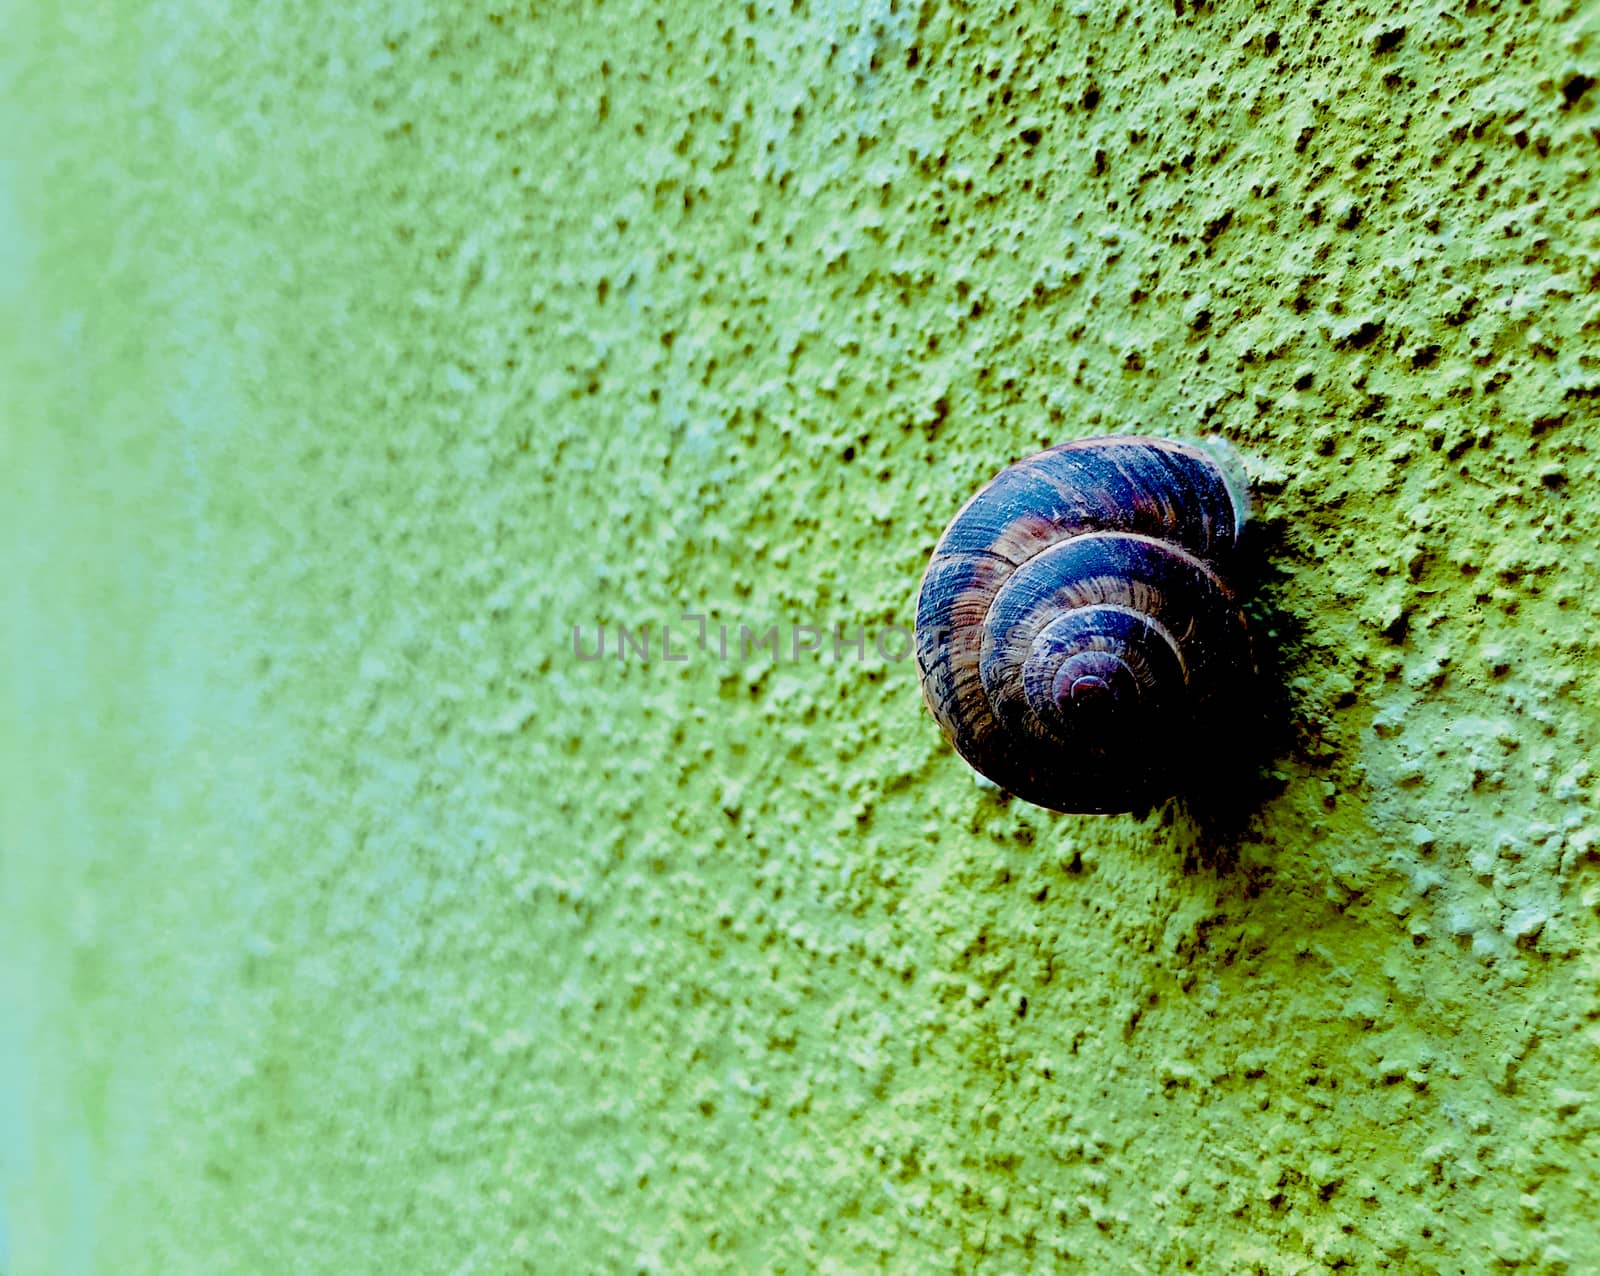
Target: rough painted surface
(353, 354)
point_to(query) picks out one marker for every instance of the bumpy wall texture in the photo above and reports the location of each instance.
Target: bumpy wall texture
(354, 354)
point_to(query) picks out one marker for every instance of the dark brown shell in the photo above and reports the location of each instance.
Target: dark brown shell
(1076, 631)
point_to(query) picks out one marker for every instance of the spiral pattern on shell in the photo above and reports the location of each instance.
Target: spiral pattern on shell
(1076, 633)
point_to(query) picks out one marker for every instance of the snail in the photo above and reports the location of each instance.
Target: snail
(1077, 633)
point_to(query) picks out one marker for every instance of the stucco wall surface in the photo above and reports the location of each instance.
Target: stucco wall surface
(353, 354)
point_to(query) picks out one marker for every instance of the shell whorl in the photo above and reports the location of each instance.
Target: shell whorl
(1075, 625)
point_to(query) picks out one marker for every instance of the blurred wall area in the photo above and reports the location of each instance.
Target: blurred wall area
(353, 357)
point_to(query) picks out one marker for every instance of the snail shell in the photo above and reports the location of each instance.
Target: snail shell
(1076, 633)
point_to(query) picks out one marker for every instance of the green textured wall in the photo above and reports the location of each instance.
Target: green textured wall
(353, 354)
